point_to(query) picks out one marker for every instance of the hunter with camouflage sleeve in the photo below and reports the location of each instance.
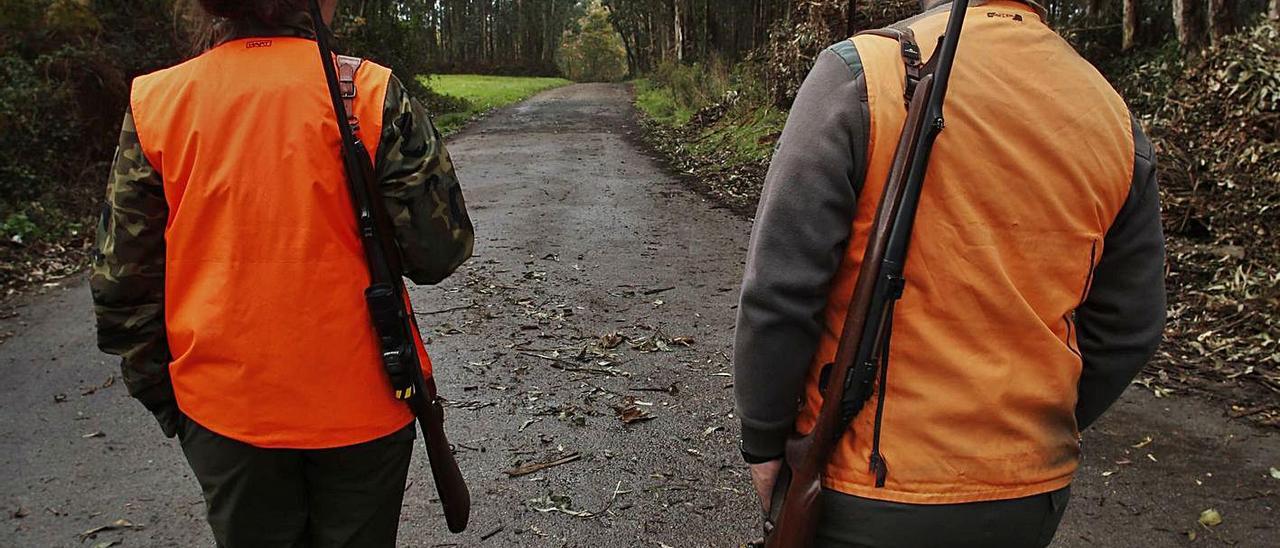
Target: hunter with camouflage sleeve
(228, 276)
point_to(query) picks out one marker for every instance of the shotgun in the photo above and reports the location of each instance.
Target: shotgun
(794, 508)
(389, 308)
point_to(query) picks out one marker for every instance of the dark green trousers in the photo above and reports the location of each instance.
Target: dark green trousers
(1031, 522)
(289, 498)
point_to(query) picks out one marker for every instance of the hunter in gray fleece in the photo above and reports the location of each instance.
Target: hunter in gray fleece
(802, 229)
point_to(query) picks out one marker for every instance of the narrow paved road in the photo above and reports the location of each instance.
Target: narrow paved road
(602, 290)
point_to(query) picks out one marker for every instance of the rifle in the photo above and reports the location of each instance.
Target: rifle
(794, 507)
(388, 302)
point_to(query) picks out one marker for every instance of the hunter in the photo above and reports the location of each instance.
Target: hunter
(229, 276)
(1034, 283)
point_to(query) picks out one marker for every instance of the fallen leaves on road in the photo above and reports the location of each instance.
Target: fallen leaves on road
(568, 365)
(1275, 473)
(111, 381)
(1210, 518)
(559, 503)
(94, 434)
(629, 412)
(611, 340)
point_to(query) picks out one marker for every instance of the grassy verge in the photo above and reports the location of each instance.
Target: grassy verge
(658, 103)
(715, 125)
(481, 93)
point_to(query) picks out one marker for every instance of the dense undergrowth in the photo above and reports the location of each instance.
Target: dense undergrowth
(1215, 121)
(65, 69)
(715, 123)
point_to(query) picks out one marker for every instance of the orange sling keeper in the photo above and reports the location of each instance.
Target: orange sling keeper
(271, 339)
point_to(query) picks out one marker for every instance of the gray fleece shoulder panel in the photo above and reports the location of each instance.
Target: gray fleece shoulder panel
(801, 231)
(849, 53)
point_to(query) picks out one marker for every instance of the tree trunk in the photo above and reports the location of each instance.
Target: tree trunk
(1221, 19)
(851, 17)
(678, 29)
(1275, 10)
(1130, 25)
(1186, 21)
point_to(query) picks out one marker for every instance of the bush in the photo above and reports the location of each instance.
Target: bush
(592, 51)
(695, 86)
(65, 68)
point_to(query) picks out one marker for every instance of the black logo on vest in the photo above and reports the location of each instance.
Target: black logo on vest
(1002, 15)
(258, 44)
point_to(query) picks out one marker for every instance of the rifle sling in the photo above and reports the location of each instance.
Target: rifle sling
(915, 70)
(347, 68)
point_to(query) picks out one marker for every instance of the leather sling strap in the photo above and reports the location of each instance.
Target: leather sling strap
(347, 68)
(911, 58)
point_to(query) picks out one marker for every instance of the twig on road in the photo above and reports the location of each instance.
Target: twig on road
(566, 365)
(496, 530)
(453, 309)
(527, 469)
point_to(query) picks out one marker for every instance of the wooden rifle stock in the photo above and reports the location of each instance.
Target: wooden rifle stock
(386, 273)
(795, 503)
(455, 499)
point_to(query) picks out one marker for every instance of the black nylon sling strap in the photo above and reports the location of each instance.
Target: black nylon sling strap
(391, 316)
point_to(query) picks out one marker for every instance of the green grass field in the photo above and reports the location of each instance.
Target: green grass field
(483, 93)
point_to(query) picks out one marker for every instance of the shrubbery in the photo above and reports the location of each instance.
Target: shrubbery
(65, 68)
(64, 72)
(1215, 121)
(592, 51)
(717, 123)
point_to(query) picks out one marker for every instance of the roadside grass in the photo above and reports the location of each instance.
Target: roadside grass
(482, 93)
(659, 103)
(715, 125)
(745, 134)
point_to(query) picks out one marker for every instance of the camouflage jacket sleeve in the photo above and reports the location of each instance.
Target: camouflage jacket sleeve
(128, 272)
(421, 191)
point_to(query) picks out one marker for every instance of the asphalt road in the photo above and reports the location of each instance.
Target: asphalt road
(602, 290)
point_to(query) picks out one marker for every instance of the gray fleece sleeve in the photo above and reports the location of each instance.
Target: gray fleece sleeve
(801, 230)
(1122, 319)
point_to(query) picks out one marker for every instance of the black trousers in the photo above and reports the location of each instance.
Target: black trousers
(289, 498)
(1031, 522)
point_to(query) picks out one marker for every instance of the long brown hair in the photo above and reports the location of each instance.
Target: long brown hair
(204, 20)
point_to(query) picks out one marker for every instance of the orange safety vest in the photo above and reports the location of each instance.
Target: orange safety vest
(1034, 165)
(271, 341)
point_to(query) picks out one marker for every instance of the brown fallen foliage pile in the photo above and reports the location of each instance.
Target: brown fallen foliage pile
(1215, 121)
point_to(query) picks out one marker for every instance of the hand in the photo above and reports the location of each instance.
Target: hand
(763, 477)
